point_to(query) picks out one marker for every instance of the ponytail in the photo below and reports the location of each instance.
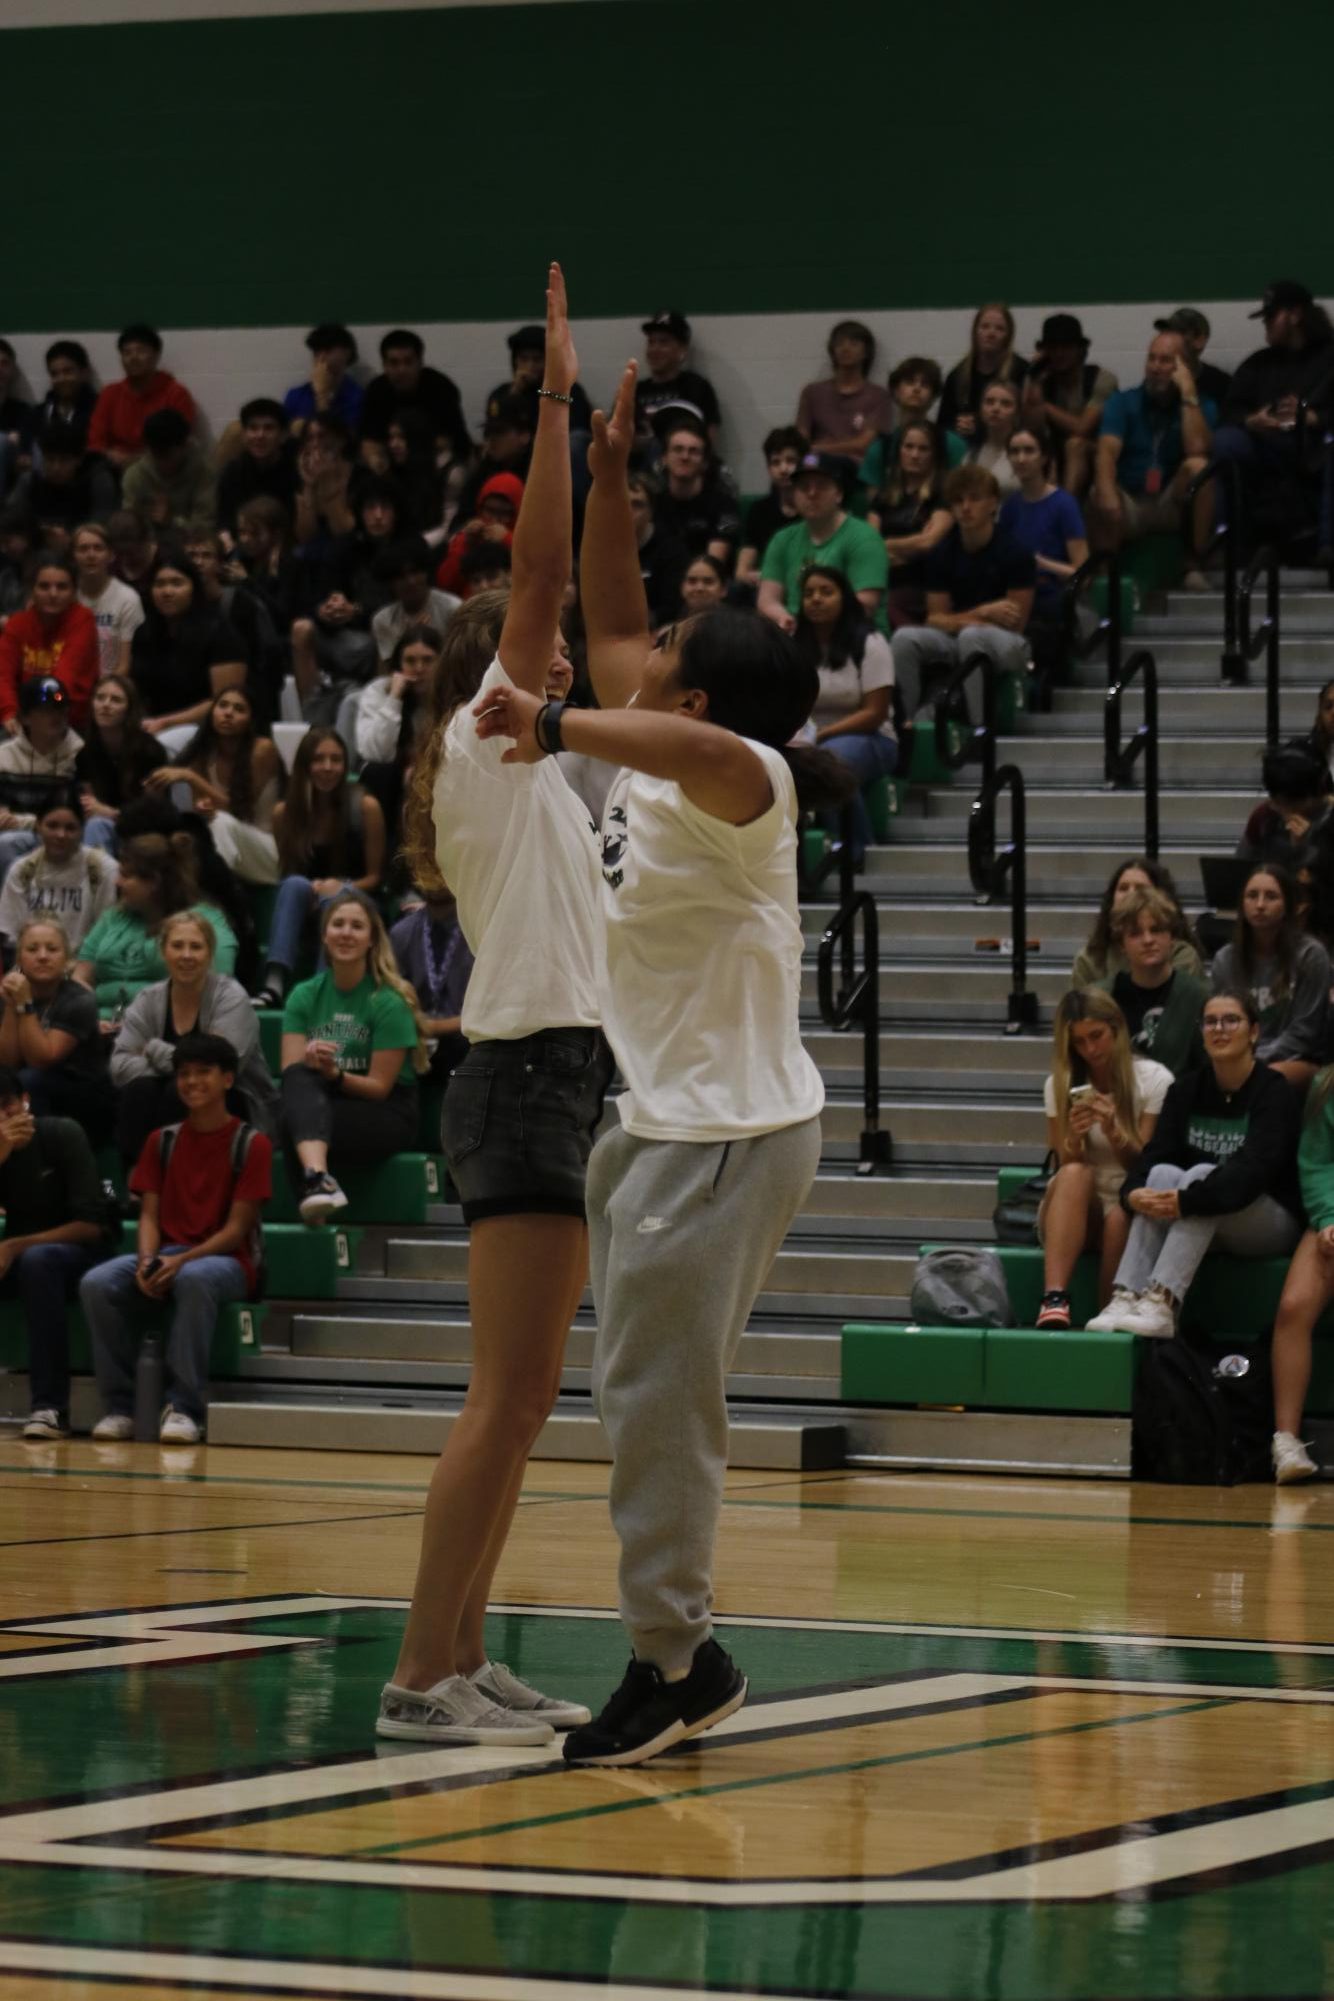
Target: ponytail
(822, 780)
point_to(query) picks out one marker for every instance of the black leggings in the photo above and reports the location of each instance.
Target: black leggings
(357, 1131)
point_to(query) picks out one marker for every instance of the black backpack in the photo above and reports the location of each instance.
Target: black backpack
(1202, 1416)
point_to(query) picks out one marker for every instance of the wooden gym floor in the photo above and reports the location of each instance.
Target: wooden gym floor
(1016, 1739)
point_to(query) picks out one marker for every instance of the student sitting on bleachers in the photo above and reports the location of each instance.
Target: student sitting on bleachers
(184, 653)
(1219, 1173)
(1100, 960)
(54, 637)
(998, 419)
(117, 757)
(193, 999)
(352, 1051)
(1296, 782)
(120, 955)
(908, 507)
(404, 571)
(1320, 736)
(235, 778)
(851, 717)
(433, 956)
(117, 608)
(1102, 1104)
(226, 591)
(331, 836)
(61, 878)
(1160, 1003)
(264, 538)
(50, 1033)
(56, 1227)
(703, 586)
(1309, 1286)
(203, 1184)
(387, 717)
(34, 762)
(1287, 974)
(784, 450)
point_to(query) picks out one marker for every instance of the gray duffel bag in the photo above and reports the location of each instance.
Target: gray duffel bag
(963, 1288)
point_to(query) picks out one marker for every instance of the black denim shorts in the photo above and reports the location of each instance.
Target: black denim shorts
(520, 1119)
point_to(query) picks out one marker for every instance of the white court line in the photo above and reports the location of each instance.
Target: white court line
(1120, 1867)
(326, 1976)
(164, 1635)
(306, 1785)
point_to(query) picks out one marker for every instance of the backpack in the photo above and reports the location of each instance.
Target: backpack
(963, 1288)
(1201, 1418)
(242, 1140)
(1015, 1220)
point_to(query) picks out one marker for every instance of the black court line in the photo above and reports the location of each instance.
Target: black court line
(218, 1528)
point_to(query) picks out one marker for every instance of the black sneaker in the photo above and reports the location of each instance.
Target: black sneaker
(647, 1714)
(320, 1198)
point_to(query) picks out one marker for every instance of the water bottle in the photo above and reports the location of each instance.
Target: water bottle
(148, 1386)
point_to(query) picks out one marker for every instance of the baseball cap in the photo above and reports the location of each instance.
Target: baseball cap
(1062, 330)
(42, 691)
(832, 465)
(1185, 320)
(675, 324)
(1282, 293)
(528, 340)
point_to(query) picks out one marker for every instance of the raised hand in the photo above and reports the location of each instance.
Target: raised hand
(613, 436)
(562, 369)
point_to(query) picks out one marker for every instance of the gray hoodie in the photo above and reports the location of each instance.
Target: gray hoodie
(140, 1049)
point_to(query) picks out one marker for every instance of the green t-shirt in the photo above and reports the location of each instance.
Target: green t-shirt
(125, 957)
(358, 1022)
(854, 547)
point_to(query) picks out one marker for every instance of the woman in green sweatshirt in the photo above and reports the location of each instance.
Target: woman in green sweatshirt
(1310, 1284)
(120, 955)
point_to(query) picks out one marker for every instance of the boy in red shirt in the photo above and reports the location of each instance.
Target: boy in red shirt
(199, 1244)
(54, 637)
(117, 426)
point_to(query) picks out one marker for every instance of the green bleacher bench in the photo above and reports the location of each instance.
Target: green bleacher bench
(884, 799)
(271, 1037)
(1154, 563)
(398, 1190)
(298, 1263)
(239, 1333)
(987, 1368)
(1100, 595)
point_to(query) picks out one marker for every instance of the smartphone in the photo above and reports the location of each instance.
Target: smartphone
(151, 1269)
(1078, 1091)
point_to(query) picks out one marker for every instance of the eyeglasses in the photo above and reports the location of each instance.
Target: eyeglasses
(1222, 1024)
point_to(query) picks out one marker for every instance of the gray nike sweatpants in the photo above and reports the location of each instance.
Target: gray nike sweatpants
(681, 1238)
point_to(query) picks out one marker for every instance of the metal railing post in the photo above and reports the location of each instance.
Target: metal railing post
(857, 1002)
(1118, 757)
(989, 873)
(1266, 640)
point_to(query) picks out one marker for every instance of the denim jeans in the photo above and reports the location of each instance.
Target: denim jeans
(1170, 1254)
(113, 1306)
(868, 758)
(99, 832)
(287, 927)
(46, 1277)
(13, 847)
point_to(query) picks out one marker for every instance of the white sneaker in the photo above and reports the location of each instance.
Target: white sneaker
(502, 1686)
(116, 1424)
(177, 1427)
(1292, 1461)
(321, 1198)
(1153, 1314)
(45, 1423)
(1112, 1319)
(454, 1712)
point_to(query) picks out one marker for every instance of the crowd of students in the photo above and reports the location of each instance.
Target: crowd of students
(160, 599)
(1192, 1109)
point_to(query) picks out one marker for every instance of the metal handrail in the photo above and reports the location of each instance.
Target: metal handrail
(1109, 626)
(1227, 535)
(989, 873)
(857, 1001)
(1119, 758)
(1265, 638)
(979, 742)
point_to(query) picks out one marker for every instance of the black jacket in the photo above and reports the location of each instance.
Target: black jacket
(1250, 1135)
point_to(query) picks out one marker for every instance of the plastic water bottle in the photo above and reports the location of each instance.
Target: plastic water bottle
(149, 1376)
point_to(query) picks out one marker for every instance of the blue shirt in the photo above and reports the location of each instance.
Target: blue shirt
(300, 401)
(1044, 528)
(1150, 435)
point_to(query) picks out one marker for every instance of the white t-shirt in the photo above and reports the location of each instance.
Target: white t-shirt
(521, 854)
(76, 894)
(844, 689)
(1152, 1083)
(704, 963)
(119, 613)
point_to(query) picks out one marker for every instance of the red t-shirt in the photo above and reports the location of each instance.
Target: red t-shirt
(199, 1190)
(65, 648)
(117, 422)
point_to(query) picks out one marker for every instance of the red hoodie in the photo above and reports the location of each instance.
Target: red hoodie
(65, 647)
(449, 577)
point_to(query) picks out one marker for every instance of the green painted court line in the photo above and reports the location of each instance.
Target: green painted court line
(789, 1778)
